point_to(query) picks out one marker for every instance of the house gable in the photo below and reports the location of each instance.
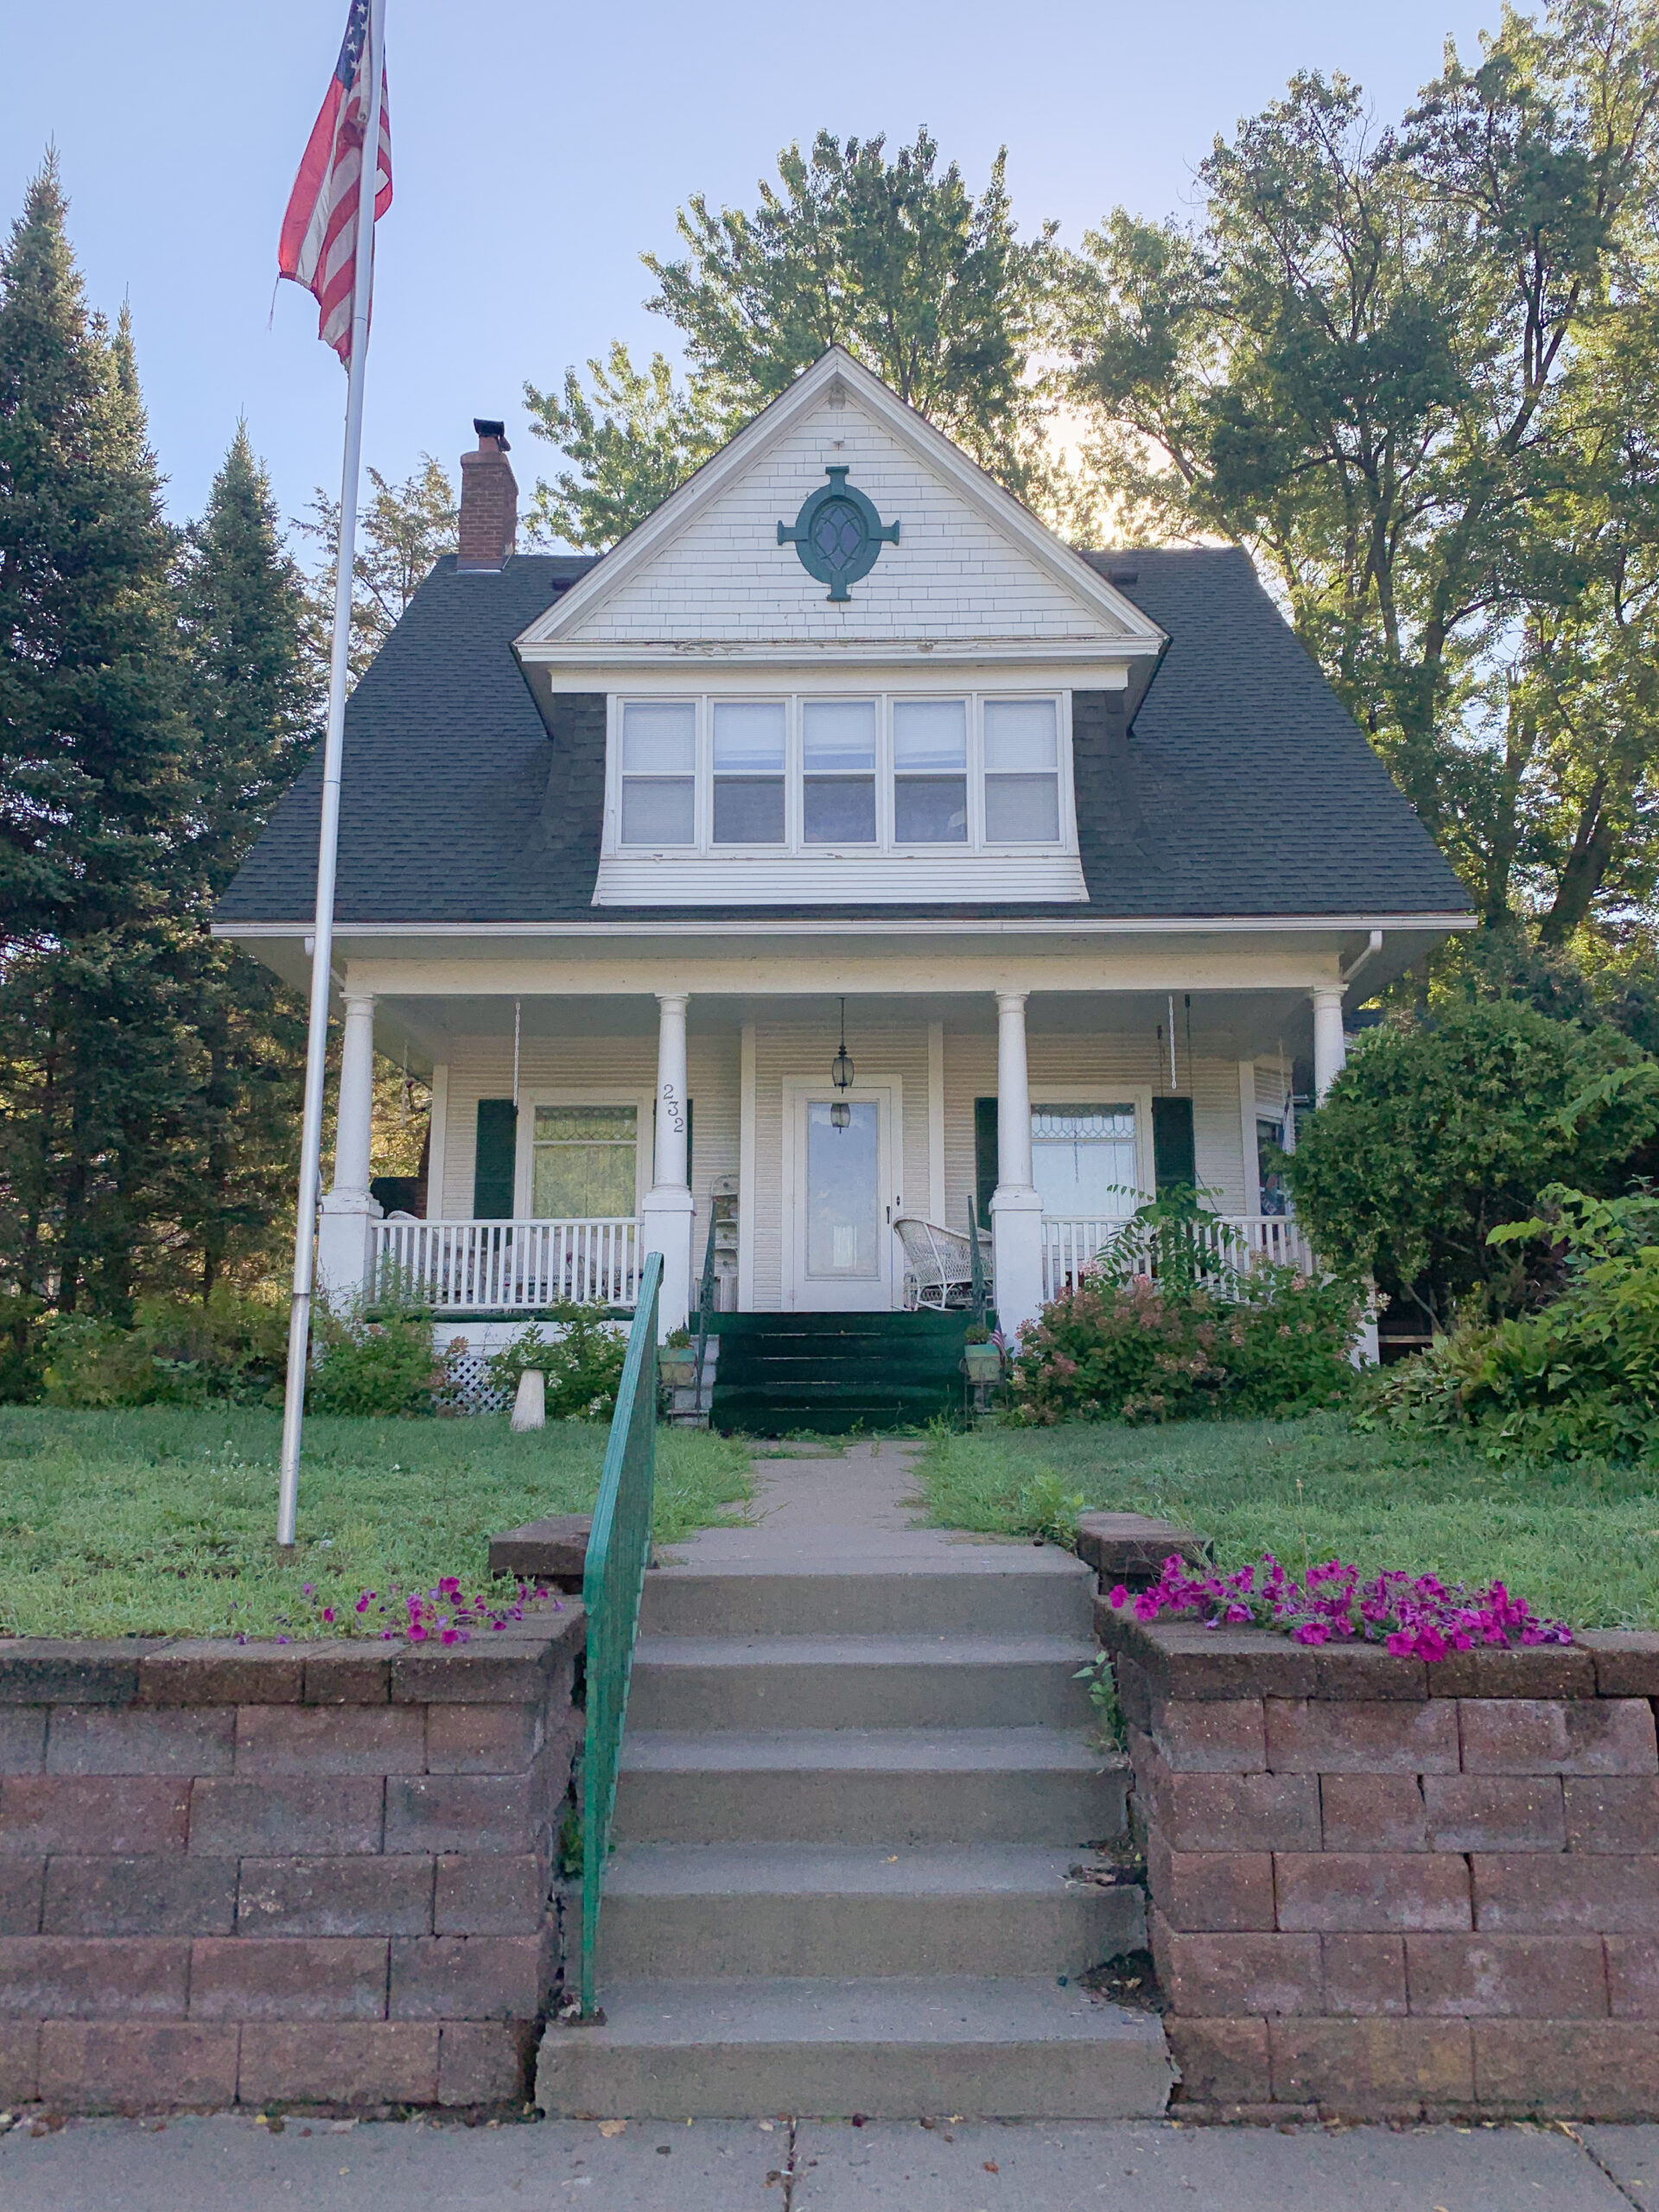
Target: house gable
(972, 570)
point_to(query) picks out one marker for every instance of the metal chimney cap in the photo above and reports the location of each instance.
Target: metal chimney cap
(496, 430)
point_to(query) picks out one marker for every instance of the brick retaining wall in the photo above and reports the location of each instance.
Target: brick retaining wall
(1384, 1889)
(271, 1874)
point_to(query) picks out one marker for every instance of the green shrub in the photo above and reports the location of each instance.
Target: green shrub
(1439, 1130)
(1580, 1379)
(1112, 1349)
(583, 1364)
(178, 1351)
(380, 1362)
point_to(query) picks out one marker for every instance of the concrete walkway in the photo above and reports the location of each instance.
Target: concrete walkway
(231, 2164)
(850, 1508)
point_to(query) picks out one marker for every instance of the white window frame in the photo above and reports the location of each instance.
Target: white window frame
(609, 1094)
(1099, 1097)
(885, 844)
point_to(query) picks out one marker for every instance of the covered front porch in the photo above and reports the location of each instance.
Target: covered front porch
(573, 1132)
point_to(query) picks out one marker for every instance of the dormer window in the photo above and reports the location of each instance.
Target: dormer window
(1022, 771)
(930, 771)
(659, 773)
(800, 775)
(749, 759)
(838, 756)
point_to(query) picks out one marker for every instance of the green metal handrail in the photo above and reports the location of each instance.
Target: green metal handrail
(705, 1305)
(612, 1582)
(980, 1297)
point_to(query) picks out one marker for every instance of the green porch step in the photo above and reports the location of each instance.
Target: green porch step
(833, 1372)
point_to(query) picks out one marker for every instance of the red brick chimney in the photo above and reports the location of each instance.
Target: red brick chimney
(489, 500)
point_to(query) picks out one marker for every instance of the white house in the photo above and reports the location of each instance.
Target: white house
(1079, 846)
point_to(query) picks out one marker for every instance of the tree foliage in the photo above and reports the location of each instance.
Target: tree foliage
(632, 443)
(1408, 368)
(898, 261)
(401, 529)
(154, 703)
(1440, 1131)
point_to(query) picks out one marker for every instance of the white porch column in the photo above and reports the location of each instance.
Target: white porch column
(1330, 1049)
(343, 1239)
(1016, 1210)
(667, 1223)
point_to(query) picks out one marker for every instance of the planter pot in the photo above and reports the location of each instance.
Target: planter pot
(983, 1363)
(676, 1370)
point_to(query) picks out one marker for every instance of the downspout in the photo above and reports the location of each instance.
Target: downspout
(1374, 946)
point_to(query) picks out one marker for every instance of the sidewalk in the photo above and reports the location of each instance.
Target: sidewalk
(229, 2164)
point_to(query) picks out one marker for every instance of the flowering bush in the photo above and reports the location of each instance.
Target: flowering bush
(1414, 1617)
(583, 1364)
(440, 1614)
(1139, 1351)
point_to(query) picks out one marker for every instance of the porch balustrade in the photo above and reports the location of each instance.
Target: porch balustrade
(492, 1267)
(1231, 1243)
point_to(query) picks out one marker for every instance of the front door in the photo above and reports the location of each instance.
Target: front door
(841, 1199)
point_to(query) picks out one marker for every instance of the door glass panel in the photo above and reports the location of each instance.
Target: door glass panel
(583, 1162)
(842, 1194)
(1083, 1161)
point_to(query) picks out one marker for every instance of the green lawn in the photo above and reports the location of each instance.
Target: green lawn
(1579, 1542)
(159, 1522)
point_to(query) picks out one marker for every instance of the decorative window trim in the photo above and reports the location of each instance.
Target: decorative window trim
(885, 844)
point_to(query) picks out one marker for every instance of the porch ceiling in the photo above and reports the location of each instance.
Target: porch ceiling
(1231, 1023)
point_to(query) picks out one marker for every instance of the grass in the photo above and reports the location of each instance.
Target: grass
(159, 1522)
(1580, 1542)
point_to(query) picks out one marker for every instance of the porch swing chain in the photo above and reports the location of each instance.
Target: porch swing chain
(515, 1062)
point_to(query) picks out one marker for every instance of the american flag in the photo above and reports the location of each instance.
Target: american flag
(318, 247)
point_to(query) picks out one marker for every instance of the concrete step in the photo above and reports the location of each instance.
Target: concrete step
(701, 1910)
(893, 2048)
(687, 1683)
(837, 1786)
(998, 1590)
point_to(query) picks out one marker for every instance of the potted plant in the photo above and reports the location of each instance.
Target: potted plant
(676, 1362)
(981, 1357)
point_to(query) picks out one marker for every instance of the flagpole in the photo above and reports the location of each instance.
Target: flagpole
(316, 1046)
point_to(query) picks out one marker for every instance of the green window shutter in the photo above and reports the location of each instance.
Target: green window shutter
(984, 1158)
(495, 1164)
(1172, 1155)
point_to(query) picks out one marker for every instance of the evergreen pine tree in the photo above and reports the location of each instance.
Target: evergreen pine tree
(93, 878)
(253, 708)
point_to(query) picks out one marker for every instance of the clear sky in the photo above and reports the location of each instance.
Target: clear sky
(537, 149)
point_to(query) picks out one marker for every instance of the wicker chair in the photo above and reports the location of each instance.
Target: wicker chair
(938, 1264)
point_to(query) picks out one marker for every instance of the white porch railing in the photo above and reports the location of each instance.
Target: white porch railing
(1238, 1241)
(484, 1267)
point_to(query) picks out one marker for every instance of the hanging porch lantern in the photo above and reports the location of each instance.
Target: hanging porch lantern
(840, 1074)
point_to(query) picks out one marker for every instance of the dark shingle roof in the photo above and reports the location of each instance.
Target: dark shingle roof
(1244, 788)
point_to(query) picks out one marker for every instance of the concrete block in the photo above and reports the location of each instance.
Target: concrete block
(139, 1739)
(288, 1978)
(124, 2066)
(159, 1894)
(376, 1896)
